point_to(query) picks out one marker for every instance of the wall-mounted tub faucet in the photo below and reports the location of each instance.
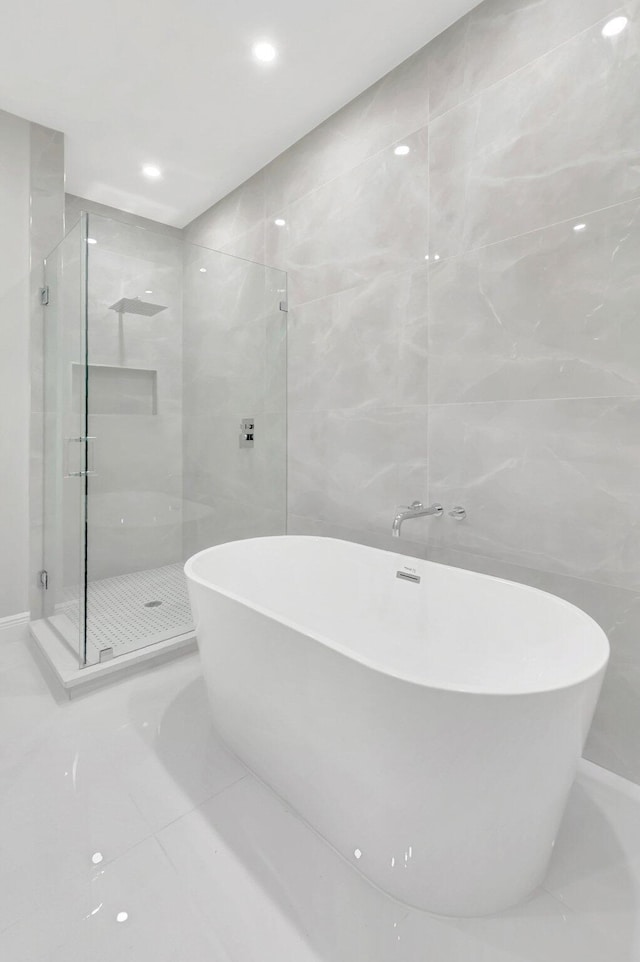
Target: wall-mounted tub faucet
(415, 510)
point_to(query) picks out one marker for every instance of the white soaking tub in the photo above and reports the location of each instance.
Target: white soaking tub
(429, 729)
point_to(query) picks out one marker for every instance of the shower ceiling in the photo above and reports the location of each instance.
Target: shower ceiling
(131, 82)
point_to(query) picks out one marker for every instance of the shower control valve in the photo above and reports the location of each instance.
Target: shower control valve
(247, 432)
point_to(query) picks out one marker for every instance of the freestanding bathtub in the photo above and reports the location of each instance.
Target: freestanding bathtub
(426, 720)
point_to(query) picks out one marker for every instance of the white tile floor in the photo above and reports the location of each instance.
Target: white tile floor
(208, 865)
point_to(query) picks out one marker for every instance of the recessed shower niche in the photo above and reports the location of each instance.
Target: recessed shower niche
(117, 390)
(155, 349)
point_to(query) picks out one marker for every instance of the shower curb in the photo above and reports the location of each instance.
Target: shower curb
(74, 680)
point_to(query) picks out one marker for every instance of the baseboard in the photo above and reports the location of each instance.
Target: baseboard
(9, 621)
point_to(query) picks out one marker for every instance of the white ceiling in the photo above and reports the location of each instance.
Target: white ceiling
(173, 83)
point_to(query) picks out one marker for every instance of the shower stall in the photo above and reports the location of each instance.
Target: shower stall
(164, 433)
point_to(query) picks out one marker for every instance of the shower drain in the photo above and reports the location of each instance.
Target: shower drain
(152, 604)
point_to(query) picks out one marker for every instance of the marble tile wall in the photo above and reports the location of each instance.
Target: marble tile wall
(534, 381)
(234, 363)
(451, 335)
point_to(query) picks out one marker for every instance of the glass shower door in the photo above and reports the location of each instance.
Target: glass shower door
(136, 591)
(66, 446)
(186, 346)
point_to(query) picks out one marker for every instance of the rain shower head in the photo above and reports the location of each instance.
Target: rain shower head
(133, 305)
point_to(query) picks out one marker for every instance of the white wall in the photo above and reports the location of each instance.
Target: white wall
(46, 220)
(14, 361)
(31, 224)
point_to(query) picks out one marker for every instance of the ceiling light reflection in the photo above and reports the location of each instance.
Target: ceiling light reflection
(402, 150)
(614, 27)
(264, 51)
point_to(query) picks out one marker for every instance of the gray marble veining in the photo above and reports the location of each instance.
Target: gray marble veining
(541, 146)
(365, 347)
(347, 467)
(394, 107)
(546, 484)
(495, 39)
(372, 220)
(236, 213)
(446, 320)
(549, 314)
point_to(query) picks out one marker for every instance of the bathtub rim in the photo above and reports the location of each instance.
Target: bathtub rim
(340, 649)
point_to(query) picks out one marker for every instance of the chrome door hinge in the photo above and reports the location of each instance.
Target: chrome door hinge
(88, 471)
(44, 295)
(44, 579)
(284, 306)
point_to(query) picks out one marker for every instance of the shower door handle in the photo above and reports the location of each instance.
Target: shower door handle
(89, 471)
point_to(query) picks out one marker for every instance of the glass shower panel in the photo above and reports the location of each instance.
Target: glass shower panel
(66, 448)
(136, 594)
(234, 401)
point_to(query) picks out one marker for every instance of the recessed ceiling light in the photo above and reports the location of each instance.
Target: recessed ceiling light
(264, 51)
(579, 227)
(614, 27)
(150, 170)
(96, 858)
(279, 222)
(91, 240)
(402, 150)
(203, 270)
